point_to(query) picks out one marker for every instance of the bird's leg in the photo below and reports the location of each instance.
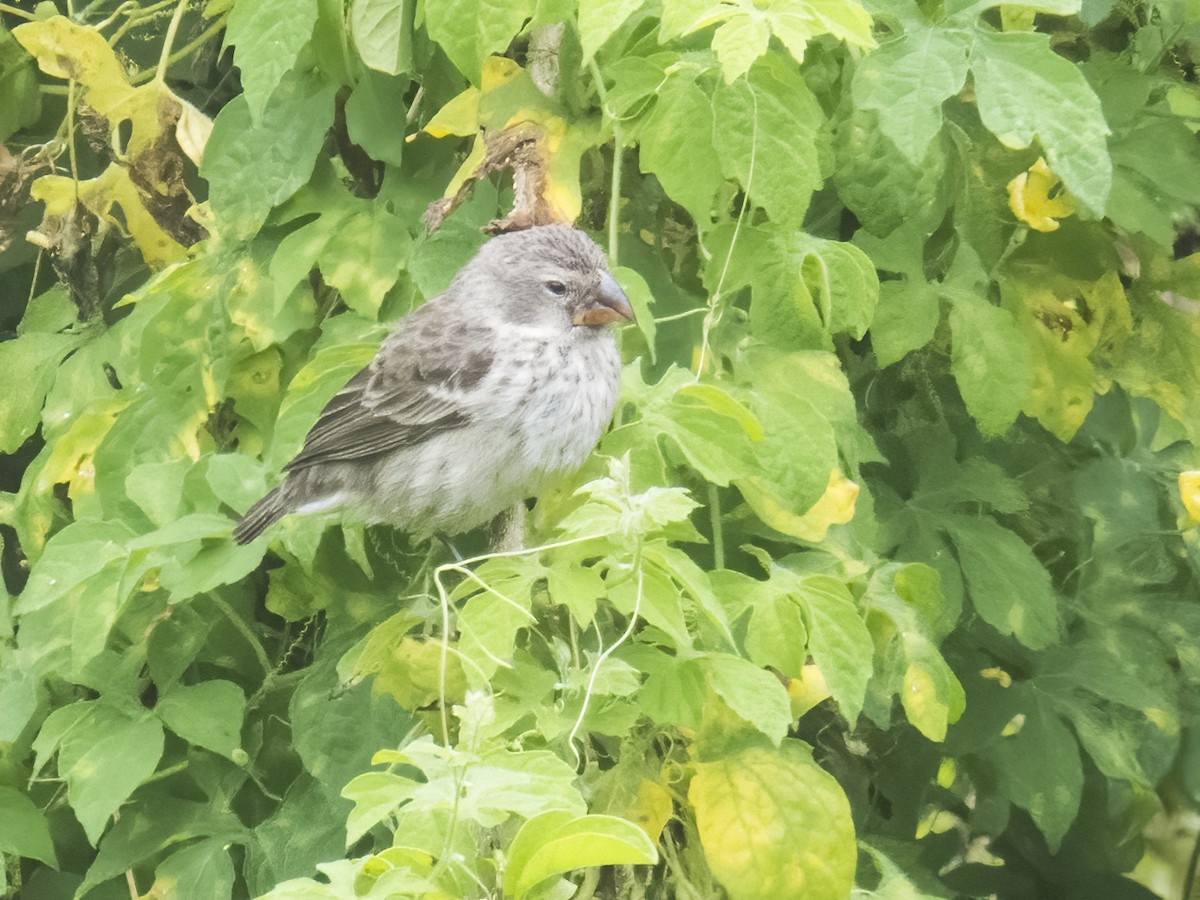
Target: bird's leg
(508, 529)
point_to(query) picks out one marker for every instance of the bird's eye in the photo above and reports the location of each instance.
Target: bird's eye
(557, 288)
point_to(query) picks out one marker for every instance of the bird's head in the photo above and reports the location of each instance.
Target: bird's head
(556, 270)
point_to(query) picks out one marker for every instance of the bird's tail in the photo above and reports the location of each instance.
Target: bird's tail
(260, 516)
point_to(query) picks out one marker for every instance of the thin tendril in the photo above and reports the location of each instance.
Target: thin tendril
(710, 319)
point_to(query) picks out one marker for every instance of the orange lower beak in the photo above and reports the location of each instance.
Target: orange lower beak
(609, 305)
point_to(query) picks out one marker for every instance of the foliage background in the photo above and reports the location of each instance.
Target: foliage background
(884, 581)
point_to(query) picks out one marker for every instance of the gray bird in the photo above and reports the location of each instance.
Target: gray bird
(474, 401)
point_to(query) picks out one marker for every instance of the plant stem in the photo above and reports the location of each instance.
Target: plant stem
(183, 52)
(714, 303)
(4, 7)
(614, 200)
(1189, 878)
(164, 61)
(587, 888)
(718, 531)
(236, 621)
(71, 135)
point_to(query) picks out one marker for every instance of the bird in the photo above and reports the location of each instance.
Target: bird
(475, 401)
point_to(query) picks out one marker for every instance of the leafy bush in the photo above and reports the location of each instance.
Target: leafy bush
(884, 580)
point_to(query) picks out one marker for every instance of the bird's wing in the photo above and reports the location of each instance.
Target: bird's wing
(419, 385)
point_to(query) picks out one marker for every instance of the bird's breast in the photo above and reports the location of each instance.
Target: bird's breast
(566, 398)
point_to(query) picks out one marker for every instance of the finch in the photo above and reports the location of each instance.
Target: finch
(475, 401)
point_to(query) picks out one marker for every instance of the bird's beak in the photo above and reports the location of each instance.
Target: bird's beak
(609, 304)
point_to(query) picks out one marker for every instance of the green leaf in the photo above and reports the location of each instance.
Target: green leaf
(253, 166)
(268, 36)
(104, 757)
(846, 21)
(208, 714)
(883, 188)
(906, 319)
(158, 488)
(1155, 172)
(740, 41)
(31, 361)
(18, 702)
(381, 31)
(661, 602)
(803, 288)
(74, 555)
(375, 796)
(931, 694)
(681, 17)
(991, 362)
(907, 79)
(770, 133)
(19, 87)
(24, 830)
(1008, 587)
(752, 692)
(306, 829)
(338, 724)
(368, 117)
(1012, 69)
(774, 825)
(842, 281)
(776, 634)
(795, 457)
(712, 428)
(202, 871)
(362, 257)
(1051, 790)
(498, 608)
(505, 783)
(838, 641)
(635, 79)
(558, 841)
(174, 644)
(469, 32)
(50, 311)
(599, 20)
(640, 298)
(676, 145)
(674, 692)
(577, 587)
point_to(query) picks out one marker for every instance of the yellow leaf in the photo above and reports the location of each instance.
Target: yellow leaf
(413, 674)
(516, 127)
(774, 825)
(147, 174)
(1037, 198)
(1189, 493)
(808, 690)
(497, 71)
(70, 461)
(69, 51)
(468, 168)
(835, 507)
(650, 809)
(98, 195)
(460, 116)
